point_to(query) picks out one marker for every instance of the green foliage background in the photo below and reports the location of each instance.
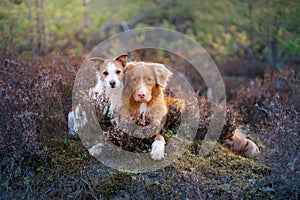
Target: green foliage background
(267, 31)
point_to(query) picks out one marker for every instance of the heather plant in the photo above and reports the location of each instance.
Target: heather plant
(39, 159)
(252, 100)
(33, 101)
(232, 119)
(271, 106)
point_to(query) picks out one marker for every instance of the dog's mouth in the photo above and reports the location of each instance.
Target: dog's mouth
(141, 100)
(113, 86)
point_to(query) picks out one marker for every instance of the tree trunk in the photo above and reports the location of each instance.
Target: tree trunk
(43, 30)
(275, 52)
(30, 35)
(39, 5)
(38, 30)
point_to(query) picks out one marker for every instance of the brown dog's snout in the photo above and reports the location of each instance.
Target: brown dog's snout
(141, 95)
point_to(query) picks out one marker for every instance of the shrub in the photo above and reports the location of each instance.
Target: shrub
(271, 105)
(253, 101)
(34, 100)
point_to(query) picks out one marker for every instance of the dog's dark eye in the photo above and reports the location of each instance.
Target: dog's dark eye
(149, 79)
(105, 73)
(118, 72)
(133, 79)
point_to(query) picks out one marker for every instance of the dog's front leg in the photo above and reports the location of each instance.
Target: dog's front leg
(158, 113)
(158, 148)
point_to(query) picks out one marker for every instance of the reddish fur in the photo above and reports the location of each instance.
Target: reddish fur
(160, 138)
(239, 144)
(156, 104)
(154, 77)
(157, 99)
(176, 103)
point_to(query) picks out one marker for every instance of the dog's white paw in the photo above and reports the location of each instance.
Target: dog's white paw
(157, 150)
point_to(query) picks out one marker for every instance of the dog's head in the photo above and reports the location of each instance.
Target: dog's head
(111, 71)
(142, 79)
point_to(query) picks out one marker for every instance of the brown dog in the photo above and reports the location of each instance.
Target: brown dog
(143, 95)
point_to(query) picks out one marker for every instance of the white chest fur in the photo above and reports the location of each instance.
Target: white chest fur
(115, 96)
(143, 108)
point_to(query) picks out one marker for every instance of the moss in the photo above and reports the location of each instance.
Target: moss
(228, 173)
(112, 183)
(67, 151)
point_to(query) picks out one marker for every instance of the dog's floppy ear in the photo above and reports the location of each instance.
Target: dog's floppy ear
(162, 74)
(127, 88)
(122, 59)
(99, 61)
(129, 66)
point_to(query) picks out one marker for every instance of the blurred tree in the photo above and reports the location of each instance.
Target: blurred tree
(266, 30)
(275, 29)
(41, 37)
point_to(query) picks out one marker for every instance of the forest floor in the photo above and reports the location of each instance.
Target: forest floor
(41, 160)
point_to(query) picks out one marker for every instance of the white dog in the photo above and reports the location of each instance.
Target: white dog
(109, 74)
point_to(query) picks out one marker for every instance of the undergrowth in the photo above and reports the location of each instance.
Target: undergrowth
(39, 159)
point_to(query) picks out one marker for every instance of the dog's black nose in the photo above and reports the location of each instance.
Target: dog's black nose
(112, 83)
